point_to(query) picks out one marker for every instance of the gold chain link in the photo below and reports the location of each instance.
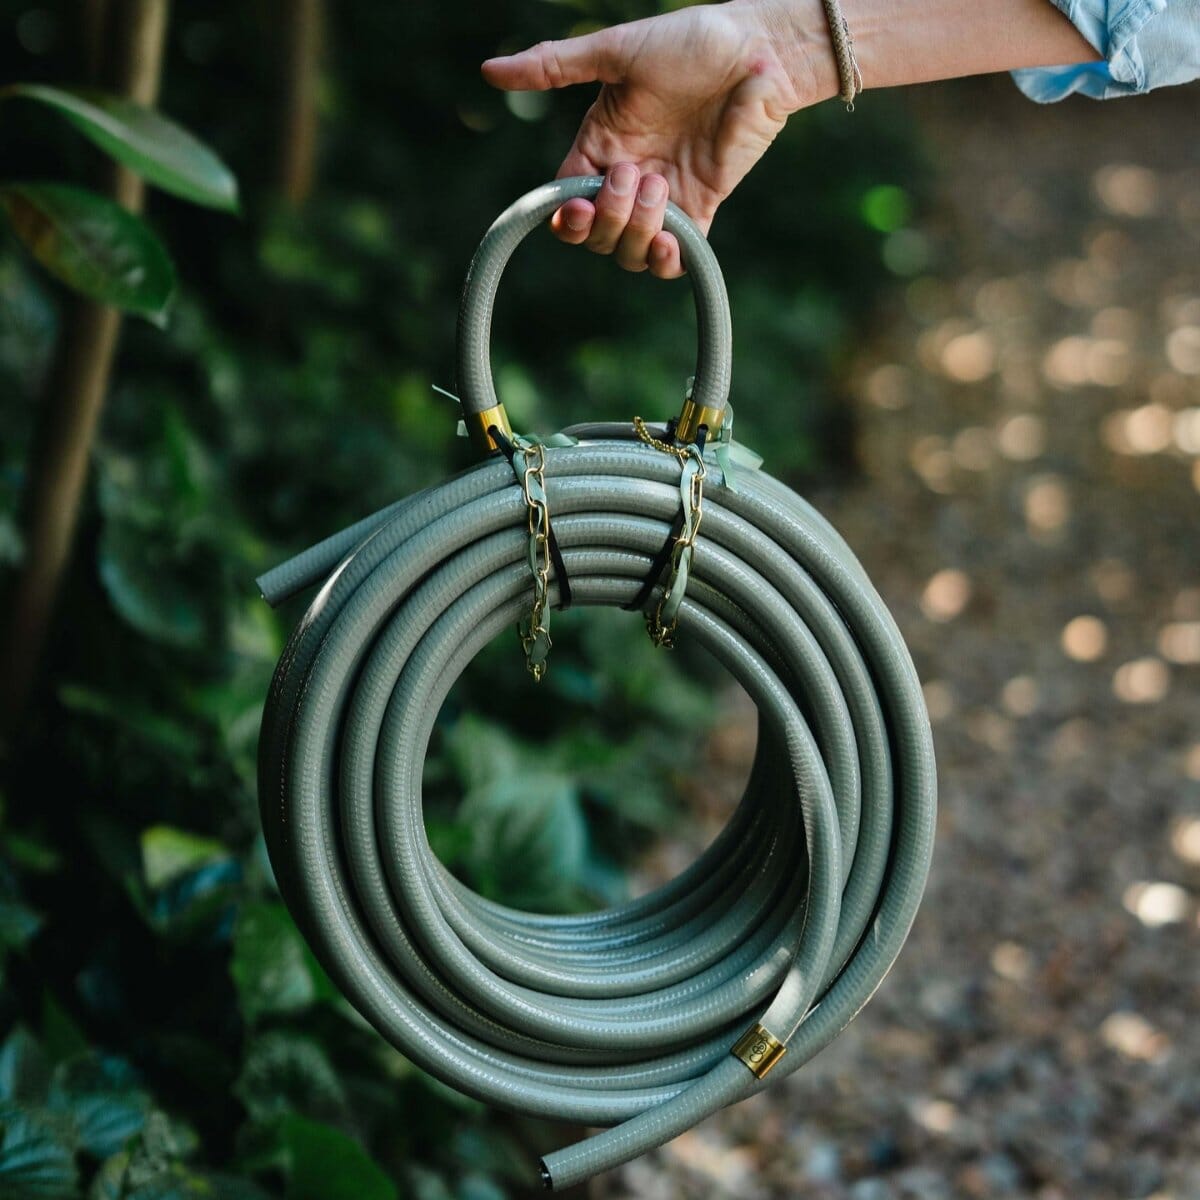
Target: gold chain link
(533, 627)
(680, 453)
(664, 634)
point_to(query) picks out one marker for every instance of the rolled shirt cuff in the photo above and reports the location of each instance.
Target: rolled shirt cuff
(1137, 55)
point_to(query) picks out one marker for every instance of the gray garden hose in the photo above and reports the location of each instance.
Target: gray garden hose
(789, 920)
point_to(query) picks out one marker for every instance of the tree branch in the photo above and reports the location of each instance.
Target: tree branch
(129, 36)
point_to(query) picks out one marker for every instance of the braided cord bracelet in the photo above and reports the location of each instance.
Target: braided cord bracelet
(843, 50)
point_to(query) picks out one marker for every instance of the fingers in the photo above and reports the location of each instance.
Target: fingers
(573, 222)
(649, 206)
(614, 207)
(592, 58)
(625, 220)
(664, 256)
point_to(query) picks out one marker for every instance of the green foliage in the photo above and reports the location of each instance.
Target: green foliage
(35, 1161)
(162, 153)
(140, 931)
(168, 854)
(324, 1164)
(85, 1105)
(93, 245)
(272, 967)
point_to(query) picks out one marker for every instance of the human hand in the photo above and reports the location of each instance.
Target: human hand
(689, 102)
(692, 98)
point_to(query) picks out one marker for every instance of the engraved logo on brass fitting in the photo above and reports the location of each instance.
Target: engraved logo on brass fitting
(759, 1049)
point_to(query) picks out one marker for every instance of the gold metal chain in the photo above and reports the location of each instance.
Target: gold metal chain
(663, 621)
(534, 629)
(680, 453)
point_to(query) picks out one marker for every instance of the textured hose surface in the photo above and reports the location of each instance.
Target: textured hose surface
(714, 334)
(624, 1017)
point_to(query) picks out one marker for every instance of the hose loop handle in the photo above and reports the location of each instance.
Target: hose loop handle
(714, 353)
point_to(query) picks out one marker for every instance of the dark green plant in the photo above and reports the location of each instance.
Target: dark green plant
(90, 242)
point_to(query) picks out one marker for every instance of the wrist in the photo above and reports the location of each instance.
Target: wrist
(798, 33)
(795, 35)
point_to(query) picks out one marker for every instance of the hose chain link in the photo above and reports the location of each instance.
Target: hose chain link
(534, 628)
(663, 620)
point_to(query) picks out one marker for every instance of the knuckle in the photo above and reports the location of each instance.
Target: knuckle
(552, 71)
(643, 226)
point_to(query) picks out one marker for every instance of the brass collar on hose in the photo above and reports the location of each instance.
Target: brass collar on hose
(479, 423)
(692, 416)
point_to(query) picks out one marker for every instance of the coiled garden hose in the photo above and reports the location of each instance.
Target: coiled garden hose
(648, 1016)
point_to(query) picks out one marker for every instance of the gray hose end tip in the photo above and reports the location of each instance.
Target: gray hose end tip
(547, 1182)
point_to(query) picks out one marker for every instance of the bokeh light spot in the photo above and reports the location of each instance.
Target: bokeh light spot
(1183, 349)
(1191, 761)
(972, 448)
(1187, 430)
(970, 357)
(1127, 190)
(939, 699)
(1085, 639)
(1072, 739)
(1148, 429)
(1047, 505)
(931, 459)
(1133, 1036)
(1012, 961)
(886, 207)
(946, 594)
(1022, 437)
(1108, 362)
(937, 1116)
(1020, 695)
(1156, 903)
(1142, 681)
(1179, 642)
(888, 386)
(1185, 839)
(998, 299)
(1112, 579)
(1066, 362)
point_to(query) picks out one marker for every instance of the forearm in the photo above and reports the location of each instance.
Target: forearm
(916, 41)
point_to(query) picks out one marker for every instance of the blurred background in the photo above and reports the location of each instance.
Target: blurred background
(966, 327)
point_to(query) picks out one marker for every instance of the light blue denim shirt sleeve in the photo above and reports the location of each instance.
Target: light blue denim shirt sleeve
(1146, 44)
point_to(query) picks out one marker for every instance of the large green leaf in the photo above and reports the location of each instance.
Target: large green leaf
(529, 838)
(93, 245)
(168, 853)
(285, 1072)
(18, 924)
(145, 141)
(37, 1160)
(102, 1100)
(24, 1071)
(273, 970)
(325, 1164)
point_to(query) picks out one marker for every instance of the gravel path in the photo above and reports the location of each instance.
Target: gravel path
(1029, 507)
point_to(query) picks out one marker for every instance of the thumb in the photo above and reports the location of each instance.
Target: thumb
(591, 58)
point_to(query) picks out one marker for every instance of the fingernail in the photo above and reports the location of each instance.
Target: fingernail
(576, 220)
(653, 190)
(622, 179)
